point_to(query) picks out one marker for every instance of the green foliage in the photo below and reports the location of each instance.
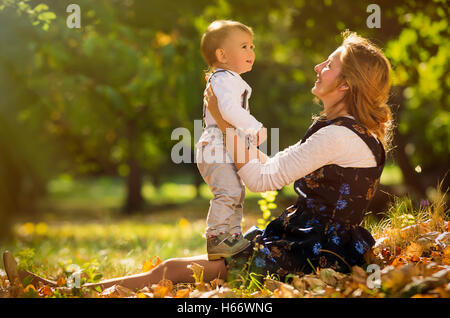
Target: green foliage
(26, 257)
(420, 57)
(105, 98)
(266, 205)
(39, 15)
(25, 152)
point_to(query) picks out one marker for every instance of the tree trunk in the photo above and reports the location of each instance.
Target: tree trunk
(411, 178)
(134, 200)
(10, 193)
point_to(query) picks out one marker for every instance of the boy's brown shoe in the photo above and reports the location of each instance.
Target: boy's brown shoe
(225, 245)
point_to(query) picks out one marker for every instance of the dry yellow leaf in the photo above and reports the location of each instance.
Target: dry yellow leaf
(61, 281)
(27, 289)
(414, 250)
(160, 291)
(197, 272)
(152, 263)
(446, 256)
(183, 293)
(45, 291)
(166, 283)
(423, 296)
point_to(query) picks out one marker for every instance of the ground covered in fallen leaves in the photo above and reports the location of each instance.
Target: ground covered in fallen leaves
(411, 258)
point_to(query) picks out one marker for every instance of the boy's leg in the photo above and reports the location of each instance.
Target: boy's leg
(236, 219)
(227, 190)
(218, 171)
(226, 187)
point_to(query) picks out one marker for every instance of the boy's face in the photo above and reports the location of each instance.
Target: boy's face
(237, 53)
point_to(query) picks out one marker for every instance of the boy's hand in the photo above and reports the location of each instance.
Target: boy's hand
(261, 136)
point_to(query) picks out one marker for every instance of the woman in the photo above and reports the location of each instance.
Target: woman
(336, 168)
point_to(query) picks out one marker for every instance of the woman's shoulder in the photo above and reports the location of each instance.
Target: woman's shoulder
(344, 145)
(341, 126)
(335, 138)
(333, 131)
(353, 125)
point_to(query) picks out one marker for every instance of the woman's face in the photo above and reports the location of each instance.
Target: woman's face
(327, 75)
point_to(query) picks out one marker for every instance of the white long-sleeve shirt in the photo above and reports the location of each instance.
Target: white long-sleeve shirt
(229, 87)
(329, 145)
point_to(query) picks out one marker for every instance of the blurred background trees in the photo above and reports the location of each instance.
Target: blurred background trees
(103, 100)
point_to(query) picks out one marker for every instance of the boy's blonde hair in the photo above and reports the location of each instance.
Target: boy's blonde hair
(214, 36)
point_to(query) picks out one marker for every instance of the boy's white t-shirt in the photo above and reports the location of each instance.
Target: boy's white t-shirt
(229, 87)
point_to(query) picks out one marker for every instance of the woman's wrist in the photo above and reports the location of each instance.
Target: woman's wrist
(227, 133)
(225, 128)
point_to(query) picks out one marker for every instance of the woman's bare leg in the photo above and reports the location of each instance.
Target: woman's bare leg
(174, 269)
(36, 279)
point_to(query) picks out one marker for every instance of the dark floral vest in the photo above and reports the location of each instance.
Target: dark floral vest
(323, 228)
(337, 193)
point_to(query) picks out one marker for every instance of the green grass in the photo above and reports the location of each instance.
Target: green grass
(403, 213)
(120, 247)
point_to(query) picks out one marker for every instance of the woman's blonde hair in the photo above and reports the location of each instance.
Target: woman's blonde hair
(214, 37)
(366, 71)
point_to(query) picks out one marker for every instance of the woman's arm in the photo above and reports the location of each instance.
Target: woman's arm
(235, 144)
(330, 145)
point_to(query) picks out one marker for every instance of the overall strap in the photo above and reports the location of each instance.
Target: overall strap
(244, 101)
(373, 143)
(315, 126)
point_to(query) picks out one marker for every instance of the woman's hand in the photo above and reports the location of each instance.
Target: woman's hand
(235, 145)
(261, 136)
(210, 100)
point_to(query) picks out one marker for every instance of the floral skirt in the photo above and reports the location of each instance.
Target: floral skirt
(300, 241)
(251, 266)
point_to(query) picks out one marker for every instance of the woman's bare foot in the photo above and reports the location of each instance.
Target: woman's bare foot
(16, 276)
(11, 268)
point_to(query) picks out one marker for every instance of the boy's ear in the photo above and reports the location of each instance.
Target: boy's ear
(221, 56)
